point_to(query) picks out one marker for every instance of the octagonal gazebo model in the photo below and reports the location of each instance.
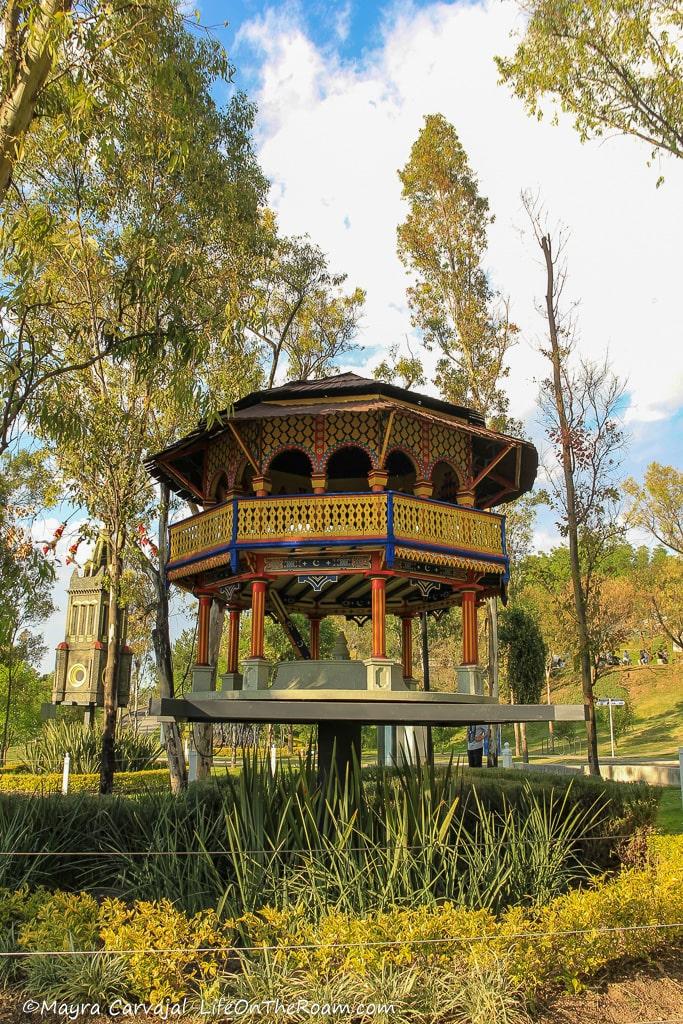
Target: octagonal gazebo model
(352, 497)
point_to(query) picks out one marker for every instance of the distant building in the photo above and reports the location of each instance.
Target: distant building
(82, 655)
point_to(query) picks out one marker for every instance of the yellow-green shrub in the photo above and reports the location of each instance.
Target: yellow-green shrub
(535, 947)
(155, 779)
(562, 943)
(19, 905)
(63, 920)
(143, 926)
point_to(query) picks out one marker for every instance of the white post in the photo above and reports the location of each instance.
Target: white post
(65, 774)
(611, 726)
(273, 758)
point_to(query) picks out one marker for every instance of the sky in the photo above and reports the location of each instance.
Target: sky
(342, 89)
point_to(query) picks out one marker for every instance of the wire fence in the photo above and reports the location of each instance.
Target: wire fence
(357, 944)
(275, 850)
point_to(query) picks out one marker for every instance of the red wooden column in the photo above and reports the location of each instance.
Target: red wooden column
(314, 645)
(470, 647)
(379, 611)
(205, 602)
(258, 612)
(407, 645)
(234, 640)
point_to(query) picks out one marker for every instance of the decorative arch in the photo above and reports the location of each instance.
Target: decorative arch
(290, 471)
(445, 481)
(219, 487)
(402, 470)
(244, 477)
(347, 469)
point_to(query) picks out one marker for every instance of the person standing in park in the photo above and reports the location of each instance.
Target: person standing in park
(475, 745)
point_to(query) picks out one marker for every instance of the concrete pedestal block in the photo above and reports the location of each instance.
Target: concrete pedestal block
(411, 741)
(256, 674)
(471, 680)
(386, 746)
(201, 679)
(231, 681)
(384, 674)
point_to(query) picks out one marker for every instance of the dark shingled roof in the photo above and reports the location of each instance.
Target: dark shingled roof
(273, 402)
(345, 384)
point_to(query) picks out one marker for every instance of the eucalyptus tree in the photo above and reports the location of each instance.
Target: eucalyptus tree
(297, 308)
(442, 243)
(63, 58)
(148, 229)
(613, 65)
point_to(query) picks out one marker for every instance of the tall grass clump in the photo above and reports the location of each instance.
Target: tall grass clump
(413, 837)
(133, 751)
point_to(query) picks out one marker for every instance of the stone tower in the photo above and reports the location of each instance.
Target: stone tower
(82, 655)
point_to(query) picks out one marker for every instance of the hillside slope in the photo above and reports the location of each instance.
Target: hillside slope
(656, 695)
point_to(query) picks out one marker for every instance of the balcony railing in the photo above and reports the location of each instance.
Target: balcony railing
(312, 520)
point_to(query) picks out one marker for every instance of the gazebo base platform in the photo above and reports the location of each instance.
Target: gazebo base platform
(360, 708)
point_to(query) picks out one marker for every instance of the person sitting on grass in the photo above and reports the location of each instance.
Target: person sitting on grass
(475, 745)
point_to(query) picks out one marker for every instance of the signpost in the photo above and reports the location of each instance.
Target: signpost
(610, 702)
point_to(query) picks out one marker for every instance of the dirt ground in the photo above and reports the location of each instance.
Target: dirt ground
(633, 994)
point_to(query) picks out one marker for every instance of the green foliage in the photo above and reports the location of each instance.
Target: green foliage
(134, 752)
(525, 654)
(393, 837)
(612, 64)
(296, 308)
(467, 963)
(443, 243)
(152, 780)
(29, 691)
(657, 505)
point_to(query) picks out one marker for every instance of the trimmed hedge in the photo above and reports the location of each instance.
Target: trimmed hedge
(25, 783)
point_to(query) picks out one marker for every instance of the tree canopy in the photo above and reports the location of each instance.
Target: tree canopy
(614, 65)
(442, 243)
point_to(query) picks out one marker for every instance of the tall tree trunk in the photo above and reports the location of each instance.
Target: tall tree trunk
(161, 639)
(203, 732)
(551, 725)
(26, 73)
(111, 671)
(571, 508)
(524, 742)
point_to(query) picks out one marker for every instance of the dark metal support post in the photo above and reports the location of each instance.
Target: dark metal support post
(338, 743)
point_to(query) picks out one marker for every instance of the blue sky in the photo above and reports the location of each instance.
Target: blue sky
(342, 89)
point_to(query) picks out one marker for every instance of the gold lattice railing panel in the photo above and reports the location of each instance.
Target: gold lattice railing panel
(207, 530)
(306, 518)
(430, 523)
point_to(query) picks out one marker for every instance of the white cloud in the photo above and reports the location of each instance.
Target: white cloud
(333, 134)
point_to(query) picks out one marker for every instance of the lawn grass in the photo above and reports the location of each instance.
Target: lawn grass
(670, 814)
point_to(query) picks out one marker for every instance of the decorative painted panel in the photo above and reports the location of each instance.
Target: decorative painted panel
(287, 432)
(362, 430)
(432, 523)
(223, 456)
(451, 445)
(207, 530)
(331, 517)
(407, 433)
